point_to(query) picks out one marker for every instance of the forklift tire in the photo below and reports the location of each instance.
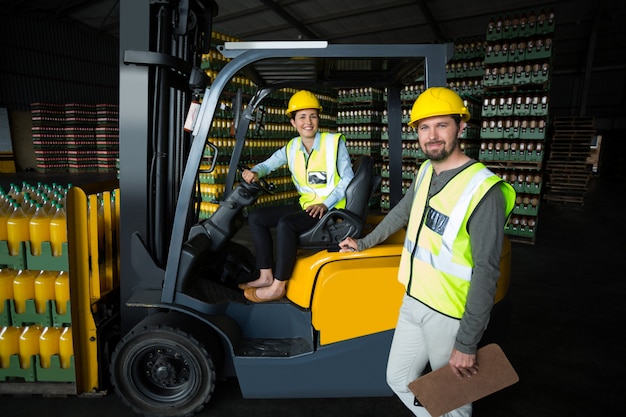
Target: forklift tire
(161, 369)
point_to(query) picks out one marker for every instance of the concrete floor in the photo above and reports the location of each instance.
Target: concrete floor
(568, 306)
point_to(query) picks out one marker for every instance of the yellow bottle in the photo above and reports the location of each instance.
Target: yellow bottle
(39, 229)
(7, 275)
(5, 213)
(9, 344)
(62, 291)
(24, 288)
(48, 345)
(44, 290)
(29, 344)
(66, 347)
(58, 231)
(18, 229)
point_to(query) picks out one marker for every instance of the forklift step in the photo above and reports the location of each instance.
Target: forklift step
(274, 348)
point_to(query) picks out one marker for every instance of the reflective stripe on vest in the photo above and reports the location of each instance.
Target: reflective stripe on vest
(323, 161)
(439, 270)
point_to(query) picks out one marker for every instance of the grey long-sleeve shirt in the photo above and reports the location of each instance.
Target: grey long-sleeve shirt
(486, 229)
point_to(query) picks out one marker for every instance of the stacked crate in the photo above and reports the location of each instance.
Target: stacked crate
(567, 168)
(360, 118)
(35, 313)
(48, 134)
(515, 110)
(107, 137)
(80, 137)
(75, 137)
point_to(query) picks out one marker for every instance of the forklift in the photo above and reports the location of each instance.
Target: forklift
(185, 325)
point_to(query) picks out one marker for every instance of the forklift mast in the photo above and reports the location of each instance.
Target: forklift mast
(161, 45)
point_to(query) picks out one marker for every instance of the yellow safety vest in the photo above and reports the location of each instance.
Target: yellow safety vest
(438, 269)
(316, 177)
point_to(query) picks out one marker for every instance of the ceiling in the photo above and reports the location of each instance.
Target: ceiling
(589, 34)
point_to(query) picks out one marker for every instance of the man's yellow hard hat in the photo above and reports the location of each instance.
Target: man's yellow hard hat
(438, 101)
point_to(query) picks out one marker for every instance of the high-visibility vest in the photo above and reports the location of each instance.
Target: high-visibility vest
(436, 262)
(316, 177)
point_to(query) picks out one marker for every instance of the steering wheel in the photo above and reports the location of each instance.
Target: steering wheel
(260, 183)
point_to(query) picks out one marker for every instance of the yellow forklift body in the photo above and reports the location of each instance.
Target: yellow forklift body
(357, 294)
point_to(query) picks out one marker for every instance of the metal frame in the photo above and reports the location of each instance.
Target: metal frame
(434, 58)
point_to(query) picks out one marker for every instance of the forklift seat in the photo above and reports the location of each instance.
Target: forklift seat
(337, 224)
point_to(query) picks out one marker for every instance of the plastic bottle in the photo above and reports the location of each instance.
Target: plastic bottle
(45, 284)
(66, 347)
(9, 344)
(18, 229)
(39, 229)
(5, 212)
(7, 275)
(48, 345)
(62, 291)
(24, 288)
(58, 230)
(29, 344)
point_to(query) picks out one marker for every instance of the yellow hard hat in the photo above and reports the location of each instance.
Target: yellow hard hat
(303, 100)
(438, 101)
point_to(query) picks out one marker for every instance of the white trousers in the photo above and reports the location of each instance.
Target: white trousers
(422, 335)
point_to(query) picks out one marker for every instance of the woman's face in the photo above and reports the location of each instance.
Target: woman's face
(306, 122)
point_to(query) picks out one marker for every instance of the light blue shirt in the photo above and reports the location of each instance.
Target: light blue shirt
(344, 168)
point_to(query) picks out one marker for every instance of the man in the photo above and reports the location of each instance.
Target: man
(321, 171)
(455, 211)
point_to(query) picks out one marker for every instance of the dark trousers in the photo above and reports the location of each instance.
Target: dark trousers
(290, 221)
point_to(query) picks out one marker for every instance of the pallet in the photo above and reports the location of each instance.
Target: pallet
(568, 122)
(568, 199)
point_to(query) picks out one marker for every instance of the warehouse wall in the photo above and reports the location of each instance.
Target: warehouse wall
(48, 61)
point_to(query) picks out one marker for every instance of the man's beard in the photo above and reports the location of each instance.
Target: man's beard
(442, 154)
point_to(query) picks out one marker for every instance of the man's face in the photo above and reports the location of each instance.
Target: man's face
(438, 136)
(306, 122)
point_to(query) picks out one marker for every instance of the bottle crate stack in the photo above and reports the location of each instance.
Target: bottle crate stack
(515, 110)
(360, 117)
(75, 137)
(35, 311)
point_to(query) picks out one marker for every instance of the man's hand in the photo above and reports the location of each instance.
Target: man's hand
(463, 364)
(348, 245)
(316, 210)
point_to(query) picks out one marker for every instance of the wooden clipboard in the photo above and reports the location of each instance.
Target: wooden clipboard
(441, 391)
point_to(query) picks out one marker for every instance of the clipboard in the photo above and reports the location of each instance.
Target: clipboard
(441, 390)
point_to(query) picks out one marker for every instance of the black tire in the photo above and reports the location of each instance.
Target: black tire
(161, 370)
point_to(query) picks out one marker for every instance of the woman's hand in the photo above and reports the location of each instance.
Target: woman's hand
(316, 210)
(249, 176)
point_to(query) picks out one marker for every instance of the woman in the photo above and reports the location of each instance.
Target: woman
(321, 171)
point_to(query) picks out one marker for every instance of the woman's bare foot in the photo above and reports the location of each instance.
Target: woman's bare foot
(265, 279)
(275, 291)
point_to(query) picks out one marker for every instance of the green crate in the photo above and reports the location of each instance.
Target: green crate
(506, 79)
(31, 316)
(55, 373)
(491, 132)
(15, 373)
(532, 133)
(511, 133)
(46, 261)
(12, 261)
(5, 316)
(523, 78)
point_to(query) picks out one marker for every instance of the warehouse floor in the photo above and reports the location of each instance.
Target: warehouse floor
(568, 306)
